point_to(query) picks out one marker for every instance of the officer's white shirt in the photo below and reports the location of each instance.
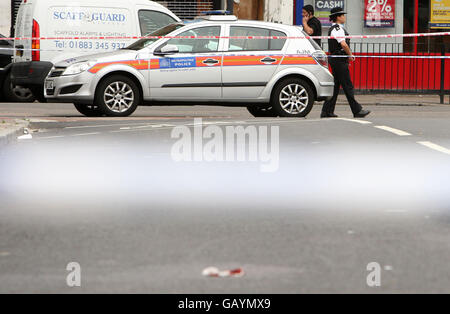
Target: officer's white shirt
(338, 32)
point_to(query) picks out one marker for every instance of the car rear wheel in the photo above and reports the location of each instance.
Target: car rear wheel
(16, 93)
(293, 97)
(117, 96)
(89, 110)
(262, 111)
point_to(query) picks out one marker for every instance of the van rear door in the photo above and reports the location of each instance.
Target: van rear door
(23, 28)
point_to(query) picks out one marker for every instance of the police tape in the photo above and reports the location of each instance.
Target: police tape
(391, 56)
(329, 56)
(230, 37)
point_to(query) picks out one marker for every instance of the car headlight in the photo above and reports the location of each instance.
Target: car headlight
(78, 68)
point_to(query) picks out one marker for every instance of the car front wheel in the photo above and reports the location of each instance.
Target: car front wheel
(293, 97)
(117, 96)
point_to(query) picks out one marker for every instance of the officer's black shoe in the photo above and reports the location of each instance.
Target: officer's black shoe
(328, 115)
(362, 113)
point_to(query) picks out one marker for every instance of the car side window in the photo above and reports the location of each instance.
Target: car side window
(255, 44)
(151, 21)
(191, 45)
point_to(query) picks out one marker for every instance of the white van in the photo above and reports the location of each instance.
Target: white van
(84, 18)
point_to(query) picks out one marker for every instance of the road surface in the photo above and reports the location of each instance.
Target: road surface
(318, 202)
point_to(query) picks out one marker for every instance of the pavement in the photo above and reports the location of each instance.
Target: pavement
(397, 99)
(10, 129)
(310, 213)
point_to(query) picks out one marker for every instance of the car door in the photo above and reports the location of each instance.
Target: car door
(248, 64)
(192, 73)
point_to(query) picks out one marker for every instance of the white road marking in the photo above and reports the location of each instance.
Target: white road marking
(86, 134)
(163, 125)
(50, 137)
(435, 147)
(42, 121)
(220, 122)
(101, 125)
(248, 122)
(122, 131)
(148, 126)
(351, 120)
(25, 137)
(130, 126)
(392, 130)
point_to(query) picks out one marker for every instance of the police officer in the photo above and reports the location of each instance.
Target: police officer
(341, 47)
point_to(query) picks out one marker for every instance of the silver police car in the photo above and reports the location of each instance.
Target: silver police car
(271, 77)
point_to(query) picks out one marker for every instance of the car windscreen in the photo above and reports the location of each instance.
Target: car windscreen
(145, 42)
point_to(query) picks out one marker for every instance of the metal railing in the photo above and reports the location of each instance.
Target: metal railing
(397, 68)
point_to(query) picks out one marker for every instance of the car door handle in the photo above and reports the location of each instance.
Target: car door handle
(211, 61)
(268, 60)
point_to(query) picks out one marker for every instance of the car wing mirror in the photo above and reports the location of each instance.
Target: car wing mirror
(167, 50)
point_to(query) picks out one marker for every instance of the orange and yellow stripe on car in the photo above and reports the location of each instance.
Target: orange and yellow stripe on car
(137, 64)
(203, 61)
(154, 64)
(207, 61)
(298, 59)
(251, 60)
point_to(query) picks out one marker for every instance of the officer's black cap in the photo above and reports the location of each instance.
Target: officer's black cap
(337, 11)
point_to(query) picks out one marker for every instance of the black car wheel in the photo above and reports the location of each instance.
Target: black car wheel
(292, 97)
(16, 93)
(117, 96)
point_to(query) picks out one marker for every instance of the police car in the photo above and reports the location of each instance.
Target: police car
(271, 77)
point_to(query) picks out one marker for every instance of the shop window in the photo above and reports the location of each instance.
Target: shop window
(424, 44)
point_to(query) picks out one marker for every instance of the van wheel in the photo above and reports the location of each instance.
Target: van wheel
(38, 92)
(16, 93)
(89, 110)
(292, 97)
(117, 96)
(262, 111)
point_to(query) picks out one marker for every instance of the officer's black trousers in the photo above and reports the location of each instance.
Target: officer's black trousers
(342, 78)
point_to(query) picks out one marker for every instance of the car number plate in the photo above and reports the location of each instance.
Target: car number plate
(49, 85)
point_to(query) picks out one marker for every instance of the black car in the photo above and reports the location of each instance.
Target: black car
(7, 91)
